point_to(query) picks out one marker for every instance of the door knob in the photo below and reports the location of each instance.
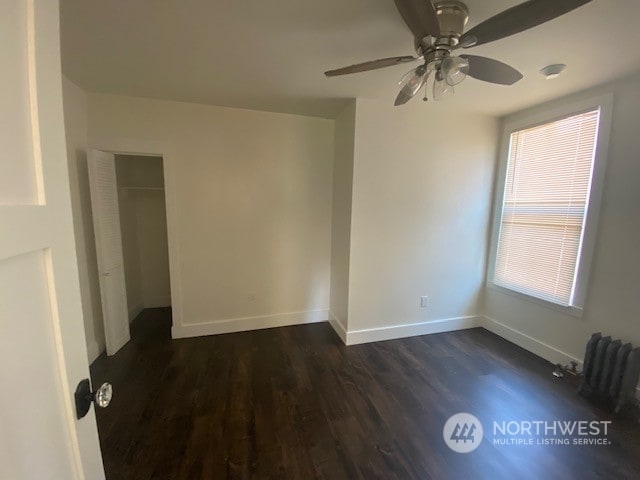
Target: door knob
(85, 397)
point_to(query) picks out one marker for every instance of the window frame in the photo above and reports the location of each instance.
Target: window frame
(538, 116)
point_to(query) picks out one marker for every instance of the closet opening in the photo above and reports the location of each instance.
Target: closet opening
(143, 225)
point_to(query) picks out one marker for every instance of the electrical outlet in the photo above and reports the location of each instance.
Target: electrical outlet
(424, 302)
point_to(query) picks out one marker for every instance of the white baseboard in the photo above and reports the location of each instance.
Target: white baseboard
(135, 311)
(248, 323)
(355, 337)
(93, 351)
(541, 349)
(338, 327)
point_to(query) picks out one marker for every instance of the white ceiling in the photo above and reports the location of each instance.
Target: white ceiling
(271, 54)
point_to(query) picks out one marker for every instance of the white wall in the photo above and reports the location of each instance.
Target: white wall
(423, 177)
(130, 254)
(344, 139)
(422, 184)
(151, 222)
(76, 126)
(613, 302)
(251, 193)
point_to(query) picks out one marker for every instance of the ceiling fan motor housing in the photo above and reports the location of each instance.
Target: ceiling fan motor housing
(452, 17)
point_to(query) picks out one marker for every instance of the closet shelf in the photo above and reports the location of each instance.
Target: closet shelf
(143, 188)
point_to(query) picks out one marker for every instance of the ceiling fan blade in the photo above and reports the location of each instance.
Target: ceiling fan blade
(517, 19)
(490, 70)
(420, 16)
(373, 65)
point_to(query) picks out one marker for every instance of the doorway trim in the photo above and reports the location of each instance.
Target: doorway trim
(140, 147)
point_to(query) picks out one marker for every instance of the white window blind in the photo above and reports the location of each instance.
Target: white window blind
(547, 186)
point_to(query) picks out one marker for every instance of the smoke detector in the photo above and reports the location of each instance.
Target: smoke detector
(553, 71)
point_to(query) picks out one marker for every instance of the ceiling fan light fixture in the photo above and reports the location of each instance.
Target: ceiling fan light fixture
(407, 76)
(413, 81)
(441, 89)
(551, 72)
(454, 70)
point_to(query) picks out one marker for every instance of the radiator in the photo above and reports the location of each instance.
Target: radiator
(610, 371)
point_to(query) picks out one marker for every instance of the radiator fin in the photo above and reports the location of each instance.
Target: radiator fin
(618, 369)
(607, 367)
(611, 371)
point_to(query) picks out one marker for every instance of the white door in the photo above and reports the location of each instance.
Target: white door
(42, 345)
(106, 225)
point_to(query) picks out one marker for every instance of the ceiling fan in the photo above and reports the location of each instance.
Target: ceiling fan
(438, 30)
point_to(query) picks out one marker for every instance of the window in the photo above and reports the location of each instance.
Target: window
(545, 208)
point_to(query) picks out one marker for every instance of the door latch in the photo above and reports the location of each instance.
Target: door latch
(85, 397)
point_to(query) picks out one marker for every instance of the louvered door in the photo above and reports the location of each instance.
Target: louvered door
(106, 225)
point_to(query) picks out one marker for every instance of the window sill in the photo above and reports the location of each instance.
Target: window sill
(571, 310)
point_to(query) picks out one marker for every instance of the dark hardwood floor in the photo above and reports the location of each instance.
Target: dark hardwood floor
(294, 403)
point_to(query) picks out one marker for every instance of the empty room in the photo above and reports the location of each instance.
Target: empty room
(392, 239)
